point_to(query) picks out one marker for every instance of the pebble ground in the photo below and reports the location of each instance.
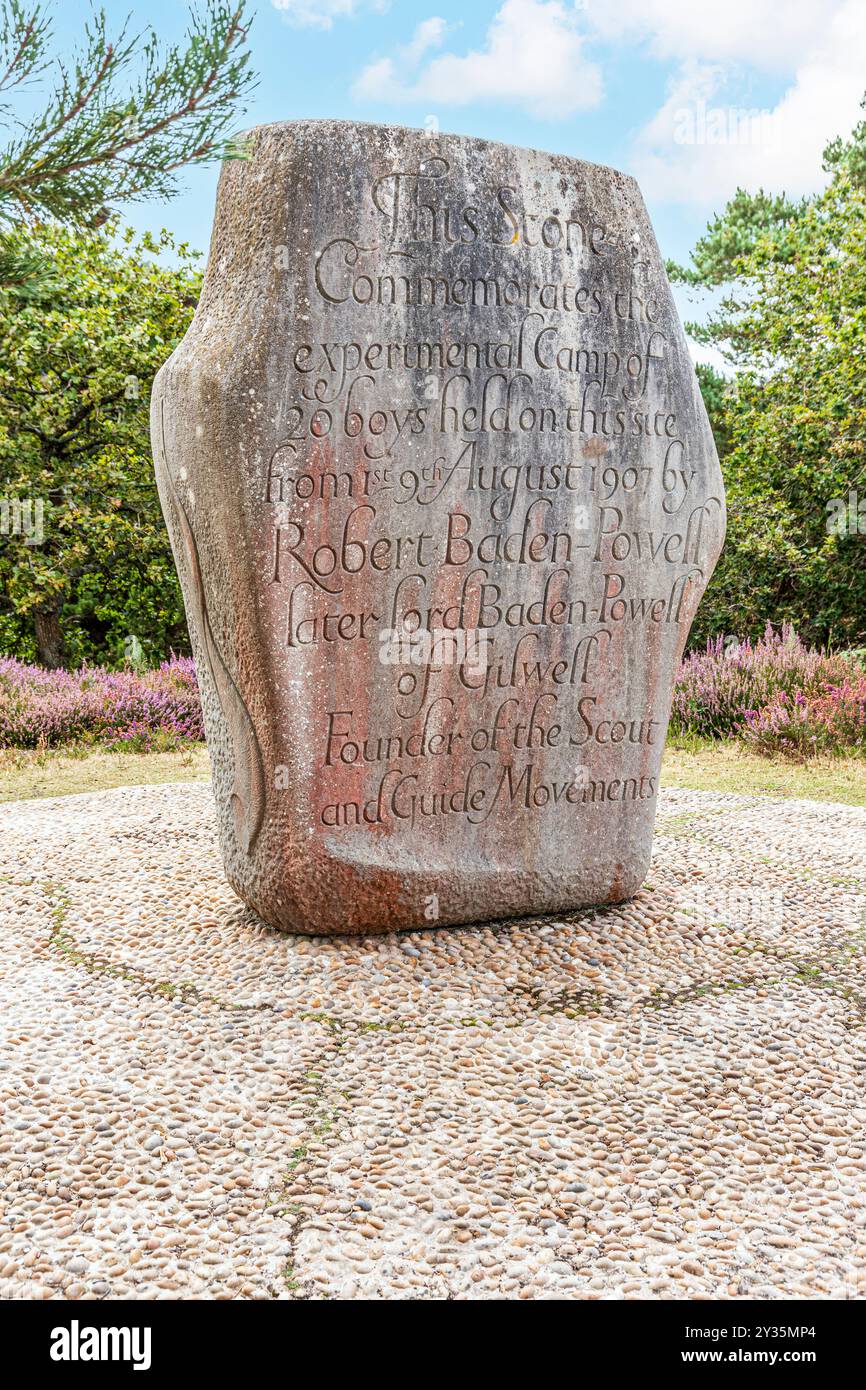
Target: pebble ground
(662, 1099)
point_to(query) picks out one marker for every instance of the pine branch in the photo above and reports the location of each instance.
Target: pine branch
(23, 38)
(92, 148)
(24, 271)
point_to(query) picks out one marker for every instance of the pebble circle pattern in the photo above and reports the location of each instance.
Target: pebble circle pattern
(660, 1099)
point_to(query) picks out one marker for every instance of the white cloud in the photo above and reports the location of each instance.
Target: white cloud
(319, 14)
(380, 77)
(532, 58)
(430, 33)
(760, 33)
(701, 144)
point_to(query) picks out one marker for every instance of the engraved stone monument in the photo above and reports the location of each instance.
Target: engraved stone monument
(443, 499)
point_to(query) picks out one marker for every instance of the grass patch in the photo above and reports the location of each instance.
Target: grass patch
(704, 765)
(28, 773)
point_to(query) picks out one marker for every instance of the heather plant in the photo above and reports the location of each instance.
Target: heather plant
(776, 694)
(155, 710)
(717, 687)
(832, 721)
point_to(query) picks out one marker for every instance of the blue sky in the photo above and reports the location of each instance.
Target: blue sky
(691, 96)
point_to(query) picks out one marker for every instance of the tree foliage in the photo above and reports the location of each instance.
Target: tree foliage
(119, 120)
(76, 364)
(87, 317)
(791, 422)
(733, 234)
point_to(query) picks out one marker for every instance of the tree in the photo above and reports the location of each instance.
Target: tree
(714, 390)
(120, 120)
(733, 234)
(792, 420)
(77, 359)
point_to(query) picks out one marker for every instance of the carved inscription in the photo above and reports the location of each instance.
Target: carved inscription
(483, 497)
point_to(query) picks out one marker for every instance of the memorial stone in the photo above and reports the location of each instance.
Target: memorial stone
(443, 499)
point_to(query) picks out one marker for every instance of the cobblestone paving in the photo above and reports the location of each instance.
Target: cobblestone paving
(659, 1099)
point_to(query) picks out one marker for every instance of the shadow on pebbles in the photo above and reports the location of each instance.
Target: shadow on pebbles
(663, 1098)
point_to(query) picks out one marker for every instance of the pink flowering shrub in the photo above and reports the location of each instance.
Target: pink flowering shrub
(157, 709)
(776, 694)
(832, 721)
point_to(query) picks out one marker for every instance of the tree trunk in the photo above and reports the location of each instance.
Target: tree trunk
(49, 638)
